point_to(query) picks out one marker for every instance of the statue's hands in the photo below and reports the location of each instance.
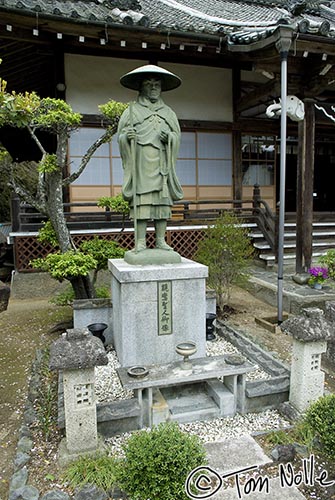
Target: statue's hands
(131, 134)
(164, 136)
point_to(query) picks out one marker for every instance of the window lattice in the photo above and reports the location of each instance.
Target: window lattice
(315, 362)
(83, 394)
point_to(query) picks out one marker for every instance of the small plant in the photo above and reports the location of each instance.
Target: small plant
(157, 463)
(304, 434)
(99, 470)
(279, 437)
(46, 401)
(47, 235)
(66, 297)
(117, 204)
(320, 417)
(328, 261)
(318, 275)
(227, 251)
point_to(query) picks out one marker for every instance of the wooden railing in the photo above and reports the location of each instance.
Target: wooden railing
(80, 216)
(266, 219)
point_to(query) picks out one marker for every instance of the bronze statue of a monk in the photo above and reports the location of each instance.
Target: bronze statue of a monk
(149, 139)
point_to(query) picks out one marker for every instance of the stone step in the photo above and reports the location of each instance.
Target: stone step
(265, 387)
(258, 235)
(270, 258)
(292, 244)
(202, 401)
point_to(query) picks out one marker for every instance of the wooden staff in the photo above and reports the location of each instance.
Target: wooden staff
(133, 157)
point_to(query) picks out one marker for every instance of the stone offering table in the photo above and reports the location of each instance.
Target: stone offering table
(228, 396)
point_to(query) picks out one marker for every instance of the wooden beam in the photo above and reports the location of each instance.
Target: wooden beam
(262, 94)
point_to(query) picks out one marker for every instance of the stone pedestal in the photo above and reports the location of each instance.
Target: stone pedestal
(155, 307)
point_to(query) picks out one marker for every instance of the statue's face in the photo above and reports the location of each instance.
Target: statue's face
(151, 88)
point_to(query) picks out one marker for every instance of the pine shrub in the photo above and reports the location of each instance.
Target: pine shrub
(157, 463)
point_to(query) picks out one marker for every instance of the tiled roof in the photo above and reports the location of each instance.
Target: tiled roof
(244, 21)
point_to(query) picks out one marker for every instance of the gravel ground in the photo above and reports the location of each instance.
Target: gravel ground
(219, 429)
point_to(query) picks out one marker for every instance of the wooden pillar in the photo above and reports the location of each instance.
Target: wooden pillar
(307, 242)
(299, 202)
(237, 165)
(237, 139)
(305, 185)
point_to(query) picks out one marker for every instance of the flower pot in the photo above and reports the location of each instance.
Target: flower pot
(317, 286)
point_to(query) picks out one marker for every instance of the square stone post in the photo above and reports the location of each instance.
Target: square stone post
(310, 333)
(76, 354)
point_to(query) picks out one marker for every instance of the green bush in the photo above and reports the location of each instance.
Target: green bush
(320, 417)
(65, 265)
(227, 251)
(95, 469)
(102, 250)
(157, 463)
(328, 260)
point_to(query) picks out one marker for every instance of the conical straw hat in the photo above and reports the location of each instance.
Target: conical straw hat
(133, 79)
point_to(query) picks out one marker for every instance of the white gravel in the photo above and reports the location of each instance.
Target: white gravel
(108, 386)
(219, 429)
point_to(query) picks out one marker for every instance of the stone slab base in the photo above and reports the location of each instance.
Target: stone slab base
(65, 456)
(152, 256)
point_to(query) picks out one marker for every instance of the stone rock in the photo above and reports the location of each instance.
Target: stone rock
(90, 492)
(25, 493)
(301, 278)
(34, 384)
(19, 479)
(289, 412)
(55, 495)
(283, 453)
(77, 350)
(30, 414)
(311, 326)
(302, 450)
(21, 459)
(4, 296)
(24, 431)
(330, 310)
(24, 445)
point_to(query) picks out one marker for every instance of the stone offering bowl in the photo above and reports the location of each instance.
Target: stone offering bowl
(186, 349)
